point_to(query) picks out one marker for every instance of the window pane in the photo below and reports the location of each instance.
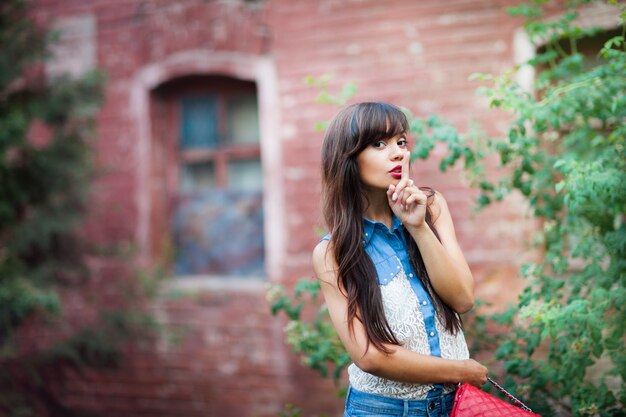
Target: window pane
(217, 224)
(243, 120)
(198, 127)
(220, 232)
(245, 175)
(196, 177)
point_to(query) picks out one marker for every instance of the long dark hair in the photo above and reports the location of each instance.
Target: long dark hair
(350, 132)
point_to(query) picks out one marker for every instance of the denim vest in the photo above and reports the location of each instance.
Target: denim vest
(388, 251)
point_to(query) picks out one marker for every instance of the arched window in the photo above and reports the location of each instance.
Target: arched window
(207, 131)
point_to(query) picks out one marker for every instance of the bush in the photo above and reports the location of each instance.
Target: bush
(45, 173)
(565, 154)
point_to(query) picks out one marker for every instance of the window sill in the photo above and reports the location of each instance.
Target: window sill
(194, 283)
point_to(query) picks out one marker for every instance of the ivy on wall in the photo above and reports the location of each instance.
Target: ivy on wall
(46, 167)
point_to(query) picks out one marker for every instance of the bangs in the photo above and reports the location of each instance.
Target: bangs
(377, 121)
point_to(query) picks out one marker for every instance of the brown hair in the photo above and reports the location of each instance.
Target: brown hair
(350, 132)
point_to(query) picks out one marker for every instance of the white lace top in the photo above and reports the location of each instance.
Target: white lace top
(408, 310)
(405, 318)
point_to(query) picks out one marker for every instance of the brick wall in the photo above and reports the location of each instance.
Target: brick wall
(415, 54)
(229, 358)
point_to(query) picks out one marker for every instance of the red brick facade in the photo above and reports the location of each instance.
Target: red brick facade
(232, 360)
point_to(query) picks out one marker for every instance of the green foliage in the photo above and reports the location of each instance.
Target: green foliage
(45, 173)
(326, 97)
(314, 338)
(43, 182)
(565, 153)
(290, 411)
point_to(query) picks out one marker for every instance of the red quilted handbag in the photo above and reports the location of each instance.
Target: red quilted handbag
(470, 401)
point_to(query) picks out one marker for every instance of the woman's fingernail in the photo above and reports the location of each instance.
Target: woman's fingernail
(394, 197)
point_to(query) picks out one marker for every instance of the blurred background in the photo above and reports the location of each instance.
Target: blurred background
(199, 184)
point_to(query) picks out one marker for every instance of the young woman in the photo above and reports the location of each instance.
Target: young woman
(393, 275)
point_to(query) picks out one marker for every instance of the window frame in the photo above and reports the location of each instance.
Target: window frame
(227, 149)
(167, 120)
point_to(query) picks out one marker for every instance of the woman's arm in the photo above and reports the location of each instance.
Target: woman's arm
(447, 268)
(401, 364)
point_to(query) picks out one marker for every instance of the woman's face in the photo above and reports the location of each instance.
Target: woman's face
(380, 164)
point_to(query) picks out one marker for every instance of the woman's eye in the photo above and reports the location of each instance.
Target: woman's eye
(402, 142)
(378, 144)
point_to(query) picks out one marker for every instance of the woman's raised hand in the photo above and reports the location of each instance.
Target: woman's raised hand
(406, 200)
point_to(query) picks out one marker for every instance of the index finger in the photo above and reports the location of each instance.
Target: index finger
(406, 162)
(404, 177)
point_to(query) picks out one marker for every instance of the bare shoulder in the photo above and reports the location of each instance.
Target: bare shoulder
(320, 252)
(439, 206)
(439, 201)
(442, 218)
(324, 264)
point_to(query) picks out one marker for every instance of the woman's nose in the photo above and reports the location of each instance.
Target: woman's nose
(397, 153)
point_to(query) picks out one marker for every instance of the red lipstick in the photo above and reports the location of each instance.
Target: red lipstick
(396, 172)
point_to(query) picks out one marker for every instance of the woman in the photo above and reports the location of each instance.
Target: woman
(392, 272)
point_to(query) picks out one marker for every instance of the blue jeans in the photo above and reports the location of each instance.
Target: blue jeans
(361, 404)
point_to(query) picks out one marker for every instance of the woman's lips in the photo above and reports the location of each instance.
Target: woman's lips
(396, 172)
